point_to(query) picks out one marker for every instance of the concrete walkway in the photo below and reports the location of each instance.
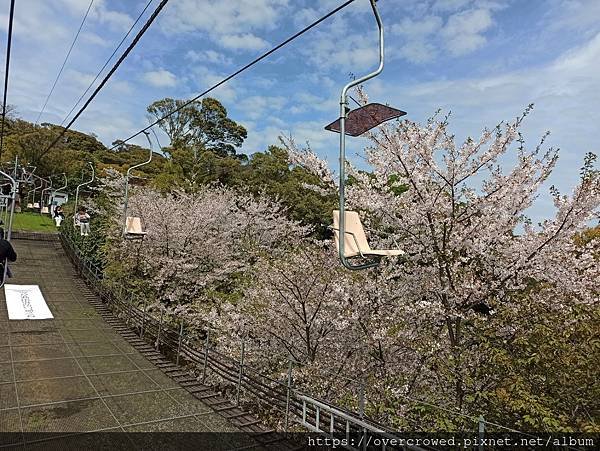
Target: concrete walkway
(75, 374)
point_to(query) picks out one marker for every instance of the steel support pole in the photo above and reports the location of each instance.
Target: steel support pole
(144, 318)
(239, 384)
(361, 409)
(179, 342)
(288, 395)
(481, 427)
(205, 357)
(157, 344)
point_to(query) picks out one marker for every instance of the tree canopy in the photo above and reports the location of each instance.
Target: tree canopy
(199, 125)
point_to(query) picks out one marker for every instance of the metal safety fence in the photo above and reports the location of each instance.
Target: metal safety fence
(353, 430)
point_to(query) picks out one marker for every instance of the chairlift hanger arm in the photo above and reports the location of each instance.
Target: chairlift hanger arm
(126, 199)
(85, 183)
(65, 185)
(358, 81)
(48, 188)
(145, 162)
(12, 206)
(92, 179)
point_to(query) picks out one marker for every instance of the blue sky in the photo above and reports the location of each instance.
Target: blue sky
(483, 60)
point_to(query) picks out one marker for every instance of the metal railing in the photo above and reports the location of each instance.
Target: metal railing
(168, 336)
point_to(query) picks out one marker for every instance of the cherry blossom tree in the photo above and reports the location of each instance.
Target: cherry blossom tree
(475, 261)
(199, 247)
(450, 329)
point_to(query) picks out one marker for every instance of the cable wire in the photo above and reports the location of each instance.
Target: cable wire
(8, 45)
(237, 72)
(107, 61)
(134, 42)
(65, 61)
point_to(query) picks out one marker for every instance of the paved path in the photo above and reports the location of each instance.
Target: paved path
(75, 374)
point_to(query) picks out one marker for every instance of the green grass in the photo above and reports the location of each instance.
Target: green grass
(33, 222)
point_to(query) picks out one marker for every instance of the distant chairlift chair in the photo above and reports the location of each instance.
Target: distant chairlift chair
(133, 228)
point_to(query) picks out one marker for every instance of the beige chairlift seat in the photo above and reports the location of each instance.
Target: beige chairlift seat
(133, 227)
(36, 205)
(45, 210)
(355, 242)
(29, 205)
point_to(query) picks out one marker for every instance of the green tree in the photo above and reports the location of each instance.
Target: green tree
(198, 126)
(271, 173)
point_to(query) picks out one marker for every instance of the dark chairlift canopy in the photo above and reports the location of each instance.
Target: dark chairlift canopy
(363, 119)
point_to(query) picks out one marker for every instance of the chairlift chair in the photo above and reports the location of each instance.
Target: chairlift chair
(132, 226)
(355, 123)
(356, 243)
(77, 191)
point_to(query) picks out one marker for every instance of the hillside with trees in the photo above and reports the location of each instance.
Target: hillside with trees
(486, 314)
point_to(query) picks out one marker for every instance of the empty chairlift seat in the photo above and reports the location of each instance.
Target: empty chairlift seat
(133, 227)
(355, 242)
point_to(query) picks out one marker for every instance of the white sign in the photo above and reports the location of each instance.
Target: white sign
(26, 302)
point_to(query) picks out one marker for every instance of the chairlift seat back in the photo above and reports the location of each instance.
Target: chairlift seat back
(45, 210)
(36, 205)
(363, 119)
(355, 242)
(133, 226)
(29, 205)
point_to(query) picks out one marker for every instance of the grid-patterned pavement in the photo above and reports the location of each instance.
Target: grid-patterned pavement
(75, 374)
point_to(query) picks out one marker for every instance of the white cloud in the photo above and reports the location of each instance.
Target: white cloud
(463, 31)
(34, 25)
(96, 39)
(160, 78)
(334, 48)
(207, 56)
(99, 12)
(574, 14)
(256, 107)
(245, 41)
(417, 35)
(205, 78)
(450, 5)
(229, 23)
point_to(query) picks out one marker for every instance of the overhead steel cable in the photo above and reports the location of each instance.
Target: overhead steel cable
(134, 42)
(237, 72)
(11, 17)
(65, 61)
(107, 61)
